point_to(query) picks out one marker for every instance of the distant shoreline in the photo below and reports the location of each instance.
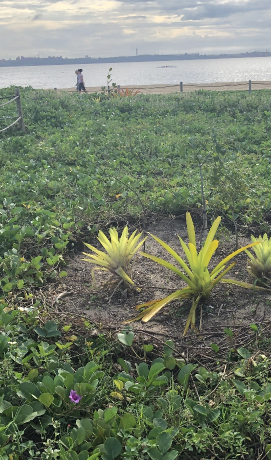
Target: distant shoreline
(33, 61)
(189, 87)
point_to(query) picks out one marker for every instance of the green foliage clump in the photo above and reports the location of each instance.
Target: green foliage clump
(98, 159)
(61, 399)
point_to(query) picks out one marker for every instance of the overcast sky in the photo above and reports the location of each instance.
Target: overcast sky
(117, 27)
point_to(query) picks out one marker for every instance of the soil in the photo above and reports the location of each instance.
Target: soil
(105, 306)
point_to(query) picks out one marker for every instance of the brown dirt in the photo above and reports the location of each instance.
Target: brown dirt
(228, 307)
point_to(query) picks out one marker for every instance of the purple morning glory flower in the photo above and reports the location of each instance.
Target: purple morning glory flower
(74, 397)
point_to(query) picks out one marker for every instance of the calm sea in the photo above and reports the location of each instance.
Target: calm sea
(140, 73)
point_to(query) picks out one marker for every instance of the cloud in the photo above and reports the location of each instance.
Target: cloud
(117, 27)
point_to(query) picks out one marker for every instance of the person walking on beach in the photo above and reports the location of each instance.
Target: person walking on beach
(76, 73)
(80, 81)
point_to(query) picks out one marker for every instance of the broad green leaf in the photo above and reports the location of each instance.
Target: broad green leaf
(49, 383)
(164, 441)
(33, 374)
(28, 390)
(112, 447)
(80, 435)
(127, 421)
(7, 287)
(86, 424)
(126, 338)
(200, 409)
(110, 413)
(155, 370)
(143, 370)
(185, 372)
(244, 353)
(46, 399)
(241, 387)
(154, 453)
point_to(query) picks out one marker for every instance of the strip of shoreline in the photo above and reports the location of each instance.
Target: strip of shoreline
(186, 88)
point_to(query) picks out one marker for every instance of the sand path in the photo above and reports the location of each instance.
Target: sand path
(166, 89)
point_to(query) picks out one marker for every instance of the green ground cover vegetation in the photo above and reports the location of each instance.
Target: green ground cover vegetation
(90, 162)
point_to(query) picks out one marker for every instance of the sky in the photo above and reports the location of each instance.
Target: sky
(106, 28)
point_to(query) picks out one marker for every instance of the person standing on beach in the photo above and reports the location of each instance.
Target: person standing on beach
(80, 81)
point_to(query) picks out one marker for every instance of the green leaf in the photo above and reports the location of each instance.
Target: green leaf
(33, 374)
(46, 399)
(125, 365)
(147, 348)
(170, 363)
(241, 387)
(126, 338)
(244, 353)
(7, 287)
(20, 284)
(154, 453)
(83, 455)
(228, 332)
(213, 415)
(155, 370)
(61, 392)
(171, 455)
(3, 343)
(49, 383)
(63, 274)
(164, 441)
(87, 425)
(41, 332)
(81, 434)
(127, 421)
(110, 413)
(215, 347)
(185, 372)
(28, 390)
(168, 348)
(268, 451)
(25, 414)
(112, 447)
(201, 409)
(4, 404)
(143, 370)
(160, 422)
(254, 327)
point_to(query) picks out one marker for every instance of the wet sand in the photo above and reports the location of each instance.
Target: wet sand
(166, 89)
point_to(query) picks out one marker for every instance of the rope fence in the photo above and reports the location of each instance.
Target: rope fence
(19, 116)
(184, 87)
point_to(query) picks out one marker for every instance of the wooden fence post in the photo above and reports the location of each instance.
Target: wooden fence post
(181, 86)
(249, 86)
(19, 110)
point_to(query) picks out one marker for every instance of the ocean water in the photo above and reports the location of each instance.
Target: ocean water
(140, 73)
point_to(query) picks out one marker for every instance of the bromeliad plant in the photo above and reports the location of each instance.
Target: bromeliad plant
(260, 266)
(126, 92)
(118, 256)
(198, 278)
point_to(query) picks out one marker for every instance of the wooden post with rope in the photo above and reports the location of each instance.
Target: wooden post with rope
(19, 110)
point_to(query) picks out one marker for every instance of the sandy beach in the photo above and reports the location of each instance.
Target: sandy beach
(166, 89)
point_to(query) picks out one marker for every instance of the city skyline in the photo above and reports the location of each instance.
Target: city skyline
(105, 28)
